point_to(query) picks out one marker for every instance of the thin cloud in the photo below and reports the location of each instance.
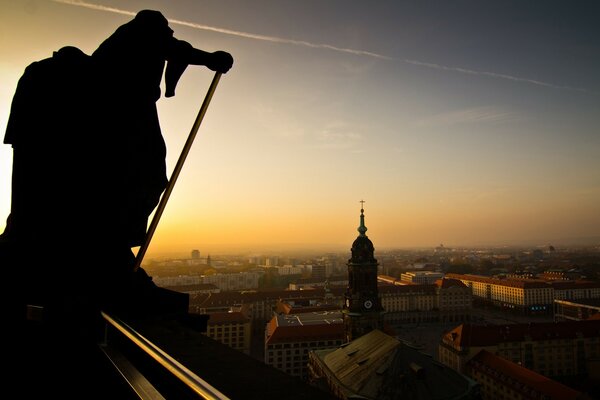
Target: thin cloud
(338, 135)
(274, 39)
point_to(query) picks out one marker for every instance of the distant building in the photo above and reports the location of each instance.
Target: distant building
(195, 289)
(290, 270)
(230, 328)
(304, 305)
(272, 261)
(239, 281)
(528, 296)
(195, 254)
(289, 338)
(442, 250)
(168, 281)
(575, 290)
(421, 277)
(377, 366)
(454, 300)
(309, 283)
(447, 300)
(260, 304)
(503, 379)
(552, 349)
(423, 266)
(318, 273)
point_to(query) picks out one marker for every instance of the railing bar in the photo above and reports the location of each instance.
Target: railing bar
(138, 382)
(192, 380)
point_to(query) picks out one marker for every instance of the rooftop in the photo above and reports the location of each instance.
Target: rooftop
(521, 379)
(468, 335)
(377, 366)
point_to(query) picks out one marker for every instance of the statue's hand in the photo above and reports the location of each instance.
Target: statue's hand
(220, 61)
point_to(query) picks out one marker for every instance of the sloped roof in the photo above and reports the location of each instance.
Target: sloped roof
(445, 283)
(468, 335)
(377, 366)
(520, 379)
(355, 364)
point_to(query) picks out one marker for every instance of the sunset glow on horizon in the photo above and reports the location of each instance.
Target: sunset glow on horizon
(464, 124)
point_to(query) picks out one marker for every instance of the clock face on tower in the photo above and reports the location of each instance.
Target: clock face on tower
(368, 304)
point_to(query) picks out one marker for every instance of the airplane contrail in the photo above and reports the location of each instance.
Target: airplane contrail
(275, 39)
(493, 75)
(229, 31)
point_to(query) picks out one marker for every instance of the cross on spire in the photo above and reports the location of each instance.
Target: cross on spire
(362, 229)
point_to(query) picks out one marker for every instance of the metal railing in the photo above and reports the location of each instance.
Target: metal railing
(196, 384)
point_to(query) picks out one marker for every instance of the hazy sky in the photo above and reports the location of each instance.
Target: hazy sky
(458, 122)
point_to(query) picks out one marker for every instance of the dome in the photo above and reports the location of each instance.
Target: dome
(362, 251)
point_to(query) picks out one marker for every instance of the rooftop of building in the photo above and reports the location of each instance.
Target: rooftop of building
(312, 318)
(378, 366)
(423, 273)
(446, 283)
(296, 306)
(520, 379)
(193, 287)
(415, 288)
(469, 335)
(248, 296)
(316, 326)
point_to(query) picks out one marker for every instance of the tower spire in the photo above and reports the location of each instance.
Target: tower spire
(362, 229)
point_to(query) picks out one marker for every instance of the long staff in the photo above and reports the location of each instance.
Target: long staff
(186, 149)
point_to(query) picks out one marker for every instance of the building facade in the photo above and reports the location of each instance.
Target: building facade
(421, 277)
(528, 296)
(239, 281)
(290, 337)
(502, 379)
(559, 349)
(230, 328)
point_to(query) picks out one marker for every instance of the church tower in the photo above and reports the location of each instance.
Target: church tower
(362, 309)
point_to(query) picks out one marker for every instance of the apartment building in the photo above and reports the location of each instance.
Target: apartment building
(553, 349)
(289, 338)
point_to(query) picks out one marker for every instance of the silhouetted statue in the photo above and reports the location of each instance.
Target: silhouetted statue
(89, 157)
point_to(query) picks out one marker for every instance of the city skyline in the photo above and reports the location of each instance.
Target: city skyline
(463, 124)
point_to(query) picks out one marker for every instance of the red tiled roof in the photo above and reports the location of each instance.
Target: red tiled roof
(426, 288)
(467, 335)
(251, 296)
(445, 283)
(492, 365)
(563, 285)
(285, 308)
